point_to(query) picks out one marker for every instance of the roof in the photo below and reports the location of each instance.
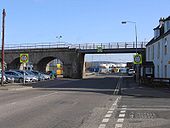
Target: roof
(156, 27)
(153, 40)
(168, 18)
(161, 28)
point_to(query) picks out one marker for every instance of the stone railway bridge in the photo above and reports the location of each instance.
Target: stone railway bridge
(72, 58)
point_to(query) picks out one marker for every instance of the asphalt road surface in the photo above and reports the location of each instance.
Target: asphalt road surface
(99, 102)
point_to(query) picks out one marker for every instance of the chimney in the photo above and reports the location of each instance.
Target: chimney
(161, 22)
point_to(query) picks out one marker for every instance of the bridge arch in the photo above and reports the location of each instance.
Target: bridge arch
(42, 64)
(14, 64)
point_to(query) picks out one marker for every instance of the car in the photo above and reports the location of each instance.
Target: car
(37, 74)
(10, 79)
(131, 72)
(46, 77)
(29, 76)
(18, 77)
(123, 70)
(42, 75)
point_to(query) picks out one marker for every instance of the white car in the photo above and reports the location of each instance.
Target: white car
(131, 72)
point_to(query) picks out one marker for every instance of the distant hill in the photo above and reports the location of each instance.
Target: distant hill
(106, 62)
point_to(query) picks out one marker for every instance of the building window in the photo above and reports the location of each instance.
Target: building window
(165, 46)
(153, 52)
(166, 71)
(148, 53)
(167, 26)
(159, 50)
(158, 71)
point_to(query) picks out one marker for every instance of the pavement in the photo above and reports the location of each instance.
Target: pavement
(131, 88)
(15, 86)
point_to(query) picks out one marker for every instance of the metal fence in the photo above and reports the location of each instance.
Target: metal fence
(112, 45)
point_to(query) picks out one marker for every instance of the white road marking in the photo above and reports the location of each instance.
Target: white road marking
(108, 115)
(121, 115)
(124, 106)
(105, 120)
(118, 125)
(120, 120)
(112, 107)
(45, 95)
(102, 126)
(122, 111)
(109, 112)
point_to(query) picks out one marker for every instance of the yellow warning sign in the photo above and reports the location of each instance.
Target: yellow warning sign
(138, 59)
(58, 66)
(24, 58)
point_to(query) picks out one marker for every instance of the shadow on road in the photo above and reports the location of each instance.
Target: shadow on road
(97, 85)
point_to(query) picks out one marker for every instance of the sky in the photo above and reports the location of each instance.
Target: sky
(81, 21)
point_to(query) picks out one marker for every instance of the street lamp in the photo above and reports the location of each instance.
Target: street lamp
(136, 40)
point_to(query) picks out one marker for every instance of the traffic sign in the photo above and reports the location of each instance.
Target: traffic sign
(138, 59)
(99, 49)
(58, 66)
(24, 58)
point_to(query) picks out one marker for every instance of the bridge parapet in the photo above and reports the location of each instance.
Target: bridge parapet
(111, 45)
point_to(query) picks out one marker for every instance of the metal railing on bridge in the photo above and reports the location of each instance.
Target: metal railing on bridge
(112, 45)
(115, 45)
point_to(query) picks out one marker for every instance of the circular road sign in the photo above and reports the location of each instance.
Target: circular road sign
(24, 58)
(138, 59)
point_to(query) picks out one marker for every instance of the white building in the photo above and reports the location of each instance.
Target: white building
(158, 49)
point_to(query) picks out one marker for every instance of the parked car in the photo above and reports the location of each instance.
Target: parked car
(42, 76)
(10, 79)
(131, 72)
(18, 77)
(37, 74)
(123, 70)
(32, 78)
(47, 77)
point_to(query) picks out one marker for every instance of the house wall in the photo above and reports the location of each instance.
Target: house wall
(161, 60)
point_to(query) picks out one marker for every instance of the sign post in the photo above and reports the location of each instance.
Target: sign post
(3, 40)
(137, 61)
(24, 58)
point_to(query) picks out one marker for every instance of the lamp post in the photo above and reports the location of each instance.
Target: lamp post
(136, 38)
(2, 51)
(136, 41)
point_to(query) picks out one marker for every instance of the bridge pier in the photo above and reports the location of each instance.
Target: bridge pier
(77, 66)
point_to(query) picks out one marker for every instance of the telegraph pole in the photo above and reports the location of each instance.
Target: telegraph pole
(2, 51)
